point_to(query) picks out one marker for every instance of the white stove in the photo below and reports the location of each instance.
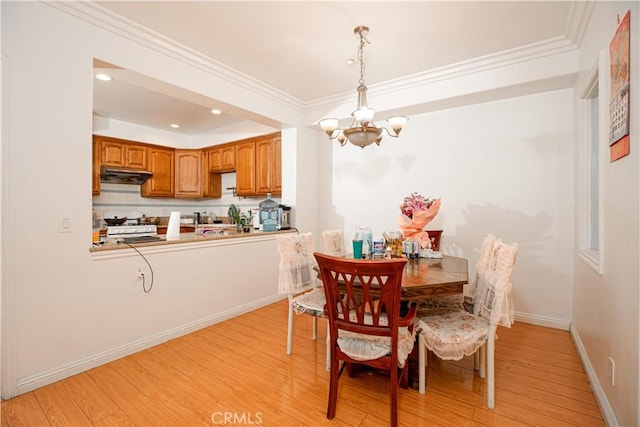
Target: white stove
(132, 230)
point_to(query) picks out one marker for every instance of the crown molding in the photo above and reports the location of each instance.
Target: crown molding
(578, 20)
(109, 21)
(508, 58)
(123, 27)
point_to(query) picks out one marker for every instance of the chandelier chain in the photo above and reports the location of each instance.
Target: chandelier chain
(363, 40)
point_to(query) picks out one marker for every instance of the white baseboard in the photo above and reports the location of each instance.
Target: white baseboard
(44, 378)
(601, 397)
(548, 322)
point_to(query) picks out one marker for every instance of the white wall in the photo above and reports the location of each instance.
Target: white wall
(606, 307)
(502, 167)
(71, 311)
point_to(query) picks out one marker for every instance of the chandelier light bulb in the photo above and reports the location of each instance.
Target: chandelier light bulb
(364, 114)
(397, 123)
(329, 126)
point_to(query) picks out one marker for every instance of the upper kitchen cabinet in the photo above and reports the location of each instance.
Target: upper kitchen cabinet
(122, 153)
(268, 165)
(258, 166)
(245, 168)
(161, 161)
(97, 155)
(189, 175)
(222, 158)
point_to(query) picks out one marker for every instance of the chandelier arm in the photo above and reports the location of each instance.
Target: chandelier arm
(391, 133)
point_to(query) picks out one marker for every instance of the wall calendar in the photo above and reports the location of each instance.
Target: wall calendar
(619, 100)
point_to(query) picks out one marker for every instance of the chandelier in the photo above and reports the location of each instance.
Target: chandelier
(362, 131)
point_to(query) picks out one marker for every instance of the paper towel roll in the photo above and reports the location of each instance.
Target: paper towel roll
(173, 228)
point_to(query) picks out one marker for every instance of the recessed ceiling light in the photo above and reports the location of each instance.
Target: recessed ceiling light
(174, 125)
(103, 77)
(216, 111)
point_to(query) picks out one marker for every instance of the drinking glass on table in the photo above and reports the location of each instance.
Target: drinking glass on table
(357, 248)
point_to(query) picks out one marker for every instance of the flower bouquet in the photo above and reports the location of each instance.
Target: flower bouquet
(416, 212)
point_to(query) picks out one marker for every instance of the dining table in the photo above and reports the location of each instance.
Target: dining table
(425, 278)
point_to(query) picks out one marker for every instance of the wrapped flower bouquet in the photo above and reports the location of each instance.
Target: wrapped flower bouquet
(416, 212)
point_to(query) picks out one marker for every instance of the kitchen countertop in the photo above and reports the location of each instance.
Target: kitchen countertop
(188, 238)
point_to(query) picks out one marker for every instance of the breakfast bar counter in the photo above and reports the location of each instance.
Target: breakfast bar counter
(186, 241)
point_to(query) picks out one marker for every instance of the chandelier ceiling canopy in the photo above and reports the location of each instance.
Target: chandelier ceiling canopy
(362, 131)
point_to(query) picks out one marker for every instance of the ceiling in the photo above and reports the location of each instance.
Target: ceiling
(301, 48)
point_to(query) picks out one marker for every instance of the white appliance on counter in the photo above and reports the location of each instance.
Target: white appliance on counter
(132, 233)
(255, 217)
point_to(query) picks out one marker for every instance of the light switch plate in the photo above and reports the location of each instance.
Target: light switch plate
(65, 224)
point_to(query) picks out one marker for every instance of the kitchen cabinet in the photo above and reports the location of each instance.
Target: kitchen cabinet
(211, 181)
(161, 161)
(188, 174)
(95, 178)
(277, 165)
(193, 179)
(268, 165)
(258, 166)
(211, 185)
(222, 158)
(246, 168)
(122, 153)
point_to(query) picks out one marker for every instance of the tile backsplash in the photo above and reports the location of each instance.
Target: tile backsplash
(125, 200)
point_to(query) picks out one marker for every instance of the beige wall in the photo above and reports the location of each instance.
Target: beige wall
(606, 307)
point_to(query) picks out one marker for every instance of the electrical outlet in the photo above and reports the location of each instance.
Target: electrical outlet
(612, 371)
(140, 274)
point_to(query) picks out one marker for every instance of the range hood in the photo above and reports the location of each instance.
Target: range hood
(123, 176)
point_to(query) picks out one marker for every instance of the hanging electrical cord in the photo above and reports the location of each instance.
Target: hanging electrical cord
(144, 288)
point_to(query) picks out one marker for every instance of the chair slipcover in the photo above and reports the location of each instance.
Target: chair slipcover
(333, 243)
(296, 272)
(456, 334)
(369, 347)
(311, 302)
(298, 279)
(445, 304)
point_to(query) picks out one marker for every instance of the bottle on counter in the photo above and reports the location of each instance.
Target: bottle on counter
(269, 214)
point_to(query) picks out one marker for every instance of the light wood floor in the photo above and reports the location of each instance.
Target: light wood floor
(237, 372)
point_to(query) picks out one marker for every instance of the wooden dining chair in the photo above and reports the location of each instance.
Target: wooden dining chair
(434, 237)
(456, 334)
(298, 279)
(366, 326)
